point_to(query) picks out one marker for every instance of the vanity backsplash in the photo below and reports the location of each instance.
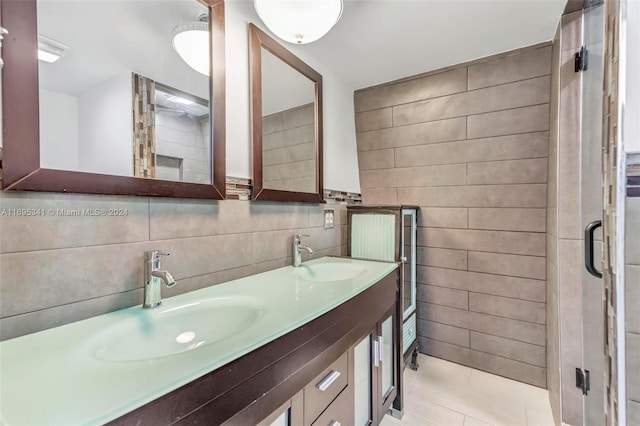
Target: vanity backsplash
(68, 257)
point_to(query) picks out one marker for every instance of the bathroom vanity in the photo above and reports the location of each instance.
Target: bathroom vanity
(317, 344)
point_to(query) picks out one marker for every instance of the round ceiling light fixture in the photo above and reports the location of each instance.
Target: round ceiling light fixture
(191, 41)
(299, 21)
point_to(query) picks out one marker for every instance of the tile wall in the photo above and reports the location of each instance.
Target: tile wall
(64, 267)
(289, 149)
(469, 145)
(632, 303)
(185, 138)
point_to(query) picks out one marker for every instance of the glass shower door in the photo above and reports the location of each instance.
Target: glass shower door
(593, 308)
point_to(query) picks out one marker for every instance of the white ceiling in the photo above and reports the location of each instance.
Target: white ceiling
(283, 87)
(109, 38)
(377, 41)
(374, 42)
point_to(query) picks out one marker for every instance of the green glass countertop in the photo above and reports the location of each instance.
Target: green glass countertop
(96, 370)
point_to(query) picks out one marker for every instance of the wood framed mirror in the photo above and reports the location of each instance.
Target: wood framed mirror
(103, 98)
(286, 123)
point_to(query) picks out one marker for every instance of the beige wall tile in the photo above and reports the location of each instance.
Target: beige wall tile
(552, 250)
(298, 117)
(442, 258)
(272, 124)
(552, 221)
(507, 307)
(508, 264)
(373, 120)
(453, 196)
(525, 243)
(442, 217)
(493, 364)
(301, 152)
(32, 322)
(51, 228)
(518, 120)
(507, 96)
(525, 145)
(633, 413)
(37, 280)
(443, 296)
(274, 156)
(289, 170)
(444, 333)
(199, 256)
(379, 196)
(570, 291)
(489, 324)
(453, 174)
(506, 172)
(431, 86)
(632, 229)
(416, 134)
(633, 366)
(289, 137)
(572, 30)
(506, 219)
(171, 218)
(632, 298)
(519, 288)
(270, 245)
(522, 195)
(522, 66)
(379, 159)
(569, 206)
(519, 351)
(553, 341)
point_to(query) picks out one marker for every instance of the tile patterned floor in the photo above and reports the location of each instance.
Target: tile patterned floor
(442, 393)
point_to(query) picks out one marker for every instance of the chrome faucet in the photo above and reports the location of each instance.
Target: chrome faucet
(154, 277)
(3, 32)
(297, 250)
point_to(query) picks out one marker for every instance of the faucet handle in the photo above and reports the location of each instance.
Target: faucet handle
(302, 235)
(154, 255)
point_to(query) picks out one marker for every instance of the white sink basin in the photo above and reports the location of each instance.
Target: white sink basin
(162, 332)
(328, 272)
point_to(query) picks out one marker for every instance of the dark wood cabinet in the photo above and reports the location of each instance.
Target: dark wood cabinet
(376, 359)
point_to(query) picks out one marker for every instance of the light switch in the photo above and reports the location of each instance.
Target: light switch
(329, 219)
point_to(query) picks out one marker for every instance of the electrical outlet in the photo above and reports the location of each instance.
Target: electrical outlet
(329, 221)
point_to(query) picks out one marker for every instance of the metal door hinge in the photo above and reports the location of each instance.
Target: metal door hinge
(581, 60)
(582, 380)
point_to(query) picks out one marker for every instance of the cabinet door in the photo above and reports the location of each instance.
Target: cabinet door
(364, 381)
(289, 414)
(387, 372)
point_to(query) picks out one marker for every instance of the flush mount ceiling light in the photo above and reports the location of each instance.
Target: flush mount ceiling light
(50, 50)
(299, 21)
(191, 41)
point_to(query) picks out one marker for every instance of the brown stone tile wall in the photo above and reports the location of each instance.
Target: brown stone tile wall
(58, 268)
(469, 145)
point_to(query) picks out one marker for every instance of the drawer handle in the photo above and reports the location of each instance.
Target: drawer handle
(335, 423)
(324, 384)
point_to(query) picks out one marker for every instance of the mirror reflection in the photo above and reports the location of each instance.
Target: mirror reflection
(126, 94)
(288, 127)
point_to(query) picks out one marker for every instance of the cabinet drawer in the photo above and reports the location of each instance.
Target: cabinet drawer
(339, 413)
(324, 388)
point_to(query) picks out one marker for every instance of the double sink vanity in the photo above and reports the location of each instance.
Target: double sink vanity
(317, 341)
